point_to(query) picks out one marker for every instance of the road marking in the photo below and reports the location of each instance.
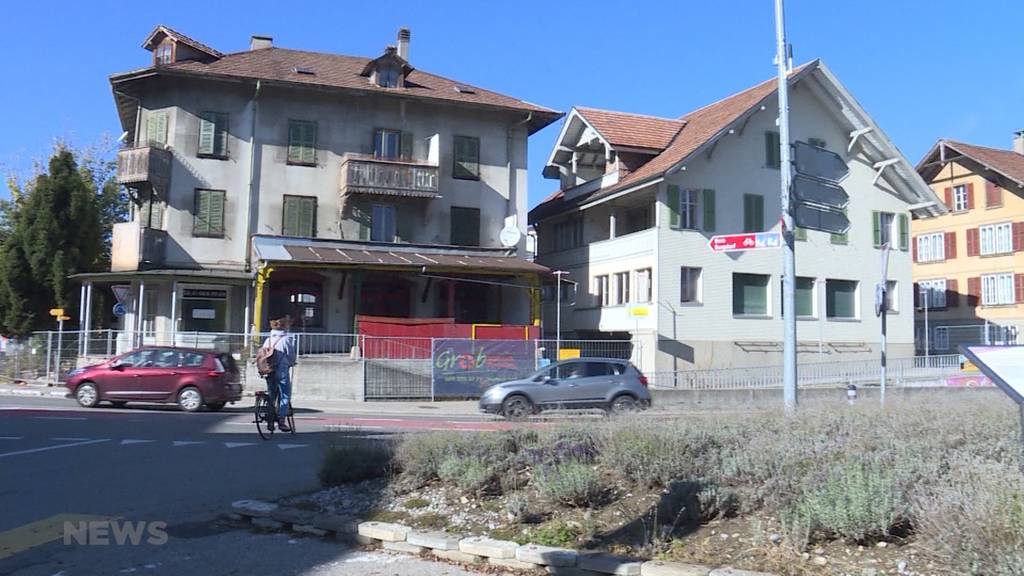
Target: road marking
(56, 418)
(128, 441)
(11, 437)
(39, 532)
(69, 439)
(57, 447)
(237, 444)
(187, 442)
(287, 446)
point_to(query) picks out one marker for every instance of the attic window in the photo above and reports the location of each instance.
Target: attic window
(387, 76)
(164, 53)
(464, 89)
(304, 70)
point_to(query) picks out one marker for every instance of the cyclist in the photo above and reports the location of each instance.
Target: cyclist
(279, 381)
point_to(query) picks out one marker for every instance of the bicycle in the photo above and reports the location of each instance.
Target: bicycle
(266, 416)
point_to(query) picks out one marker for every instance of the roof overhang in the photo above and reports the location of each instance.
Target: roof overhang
(205, 275)
(944, 152)
(573, 128)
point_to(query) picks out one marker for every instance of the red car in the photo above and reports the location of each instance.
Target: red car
(190, 378)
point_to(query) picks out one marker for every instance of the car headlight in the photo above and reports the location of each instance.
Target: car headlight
(76, 371)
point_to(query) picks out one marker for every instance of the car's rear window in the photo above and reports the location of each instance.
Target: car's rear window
(192, 359)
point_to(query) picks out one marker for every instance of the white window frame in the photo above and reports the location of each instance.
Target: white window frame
(622, 287)
(892, 295)
(936, 288)
(698, 292)
(995, 239)
(960, 198)
(997, 289)
(931, 247)
(886, 228)
(602, 294)
(940, 338)
(644, 286)
(689, 208)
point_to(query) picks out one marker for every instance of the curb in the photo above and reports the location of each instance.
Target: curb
(52, 392)
(471, 551)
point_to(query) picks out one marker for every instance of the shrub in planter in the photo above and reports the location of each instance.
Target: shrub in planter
(571, 483)
(355, 461)
(470, 474)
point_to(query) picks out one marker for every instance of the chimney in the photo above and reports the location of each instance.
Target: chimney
(404, 35)
(1018, 141)
(258, 42)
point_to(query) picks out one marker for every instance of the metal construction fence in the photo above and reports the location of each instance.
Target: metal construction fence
(819, 374)
(944, 338)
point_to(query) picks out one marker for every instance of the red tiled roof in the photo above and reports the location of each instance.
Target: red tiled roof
(699, 127)
(1006, 162)
(635, 130)
(338, 71)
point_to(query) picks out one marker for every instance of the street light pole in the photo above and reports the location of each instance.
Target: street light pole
(558, 314)
(788, 256)
(924, 299)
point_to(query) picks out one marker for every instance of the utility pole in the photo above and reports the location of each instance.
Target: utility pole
(558, 314)
(882, 309)
(788, 257)
(924, 300)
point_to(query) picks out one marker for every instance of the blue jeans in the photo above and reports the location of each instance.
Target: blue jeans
(279, 385)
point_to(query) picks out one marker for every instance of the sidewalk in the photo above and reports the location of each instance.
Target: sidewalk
(9, 388)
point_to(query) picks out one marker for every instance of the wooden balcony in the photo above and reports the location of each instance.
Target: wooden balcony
(364, 174)
(136, 248)
(146, 164)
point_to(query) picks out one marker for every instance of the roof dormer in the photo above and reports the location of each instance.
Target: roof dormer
(390, 69)
(169, 46)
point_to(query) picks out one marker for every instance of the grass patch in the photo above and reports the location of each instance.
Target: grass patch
(416, 503)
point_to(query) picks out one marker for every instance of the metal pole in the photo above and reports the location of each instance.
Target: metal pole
(558, 314)
(88, 315)
(788, 256)
(60, 338)
(884, 307)
(884, 368)
(81, 318)
(49, 353)
(924, 296)
(174, 313)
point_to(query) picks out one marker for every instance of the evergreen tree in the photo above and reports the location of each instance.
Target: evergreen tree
(54, 232)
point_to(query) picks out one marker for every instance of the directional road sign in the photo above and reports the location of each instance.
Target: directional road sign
(741, 242)
(820, 218)
(819, 163)
(56, 312)
(819, 192)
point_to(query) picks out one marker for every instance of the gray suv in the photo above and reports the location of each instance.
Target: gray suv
(610, 384)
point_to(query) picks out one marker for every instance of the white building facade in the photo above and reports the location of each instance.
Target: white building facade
(642, 196)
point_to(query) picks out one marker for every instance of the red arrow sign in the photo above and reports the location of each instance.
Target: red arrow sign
(741, 242)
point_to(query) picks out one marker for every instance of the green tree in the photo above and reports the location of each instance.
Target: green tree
(53, 230)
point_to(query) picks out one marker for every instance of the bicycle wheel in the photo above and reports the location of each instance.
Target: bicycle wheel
(261, 411)
(291, 419)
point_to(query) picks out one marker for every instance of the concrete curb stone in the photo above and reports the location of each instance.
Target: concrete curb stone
(253, 508)
(546, 555)
(403, 547)
(457, 556)
(729, 571)
(433, 540)
(513, 564)
(662, 568)
(336, 523)
(608, 564)
(384, 531)
(480, 546)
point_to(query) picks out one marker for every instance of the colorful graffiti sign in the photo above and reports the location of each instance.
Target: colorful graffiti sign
(465, 368)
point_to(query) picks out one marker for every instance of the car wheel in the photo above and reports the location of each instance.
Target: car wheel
(118, 403)
(517, 407)
(189, 399)
(215, 406)
(624, 404)
(87, 395)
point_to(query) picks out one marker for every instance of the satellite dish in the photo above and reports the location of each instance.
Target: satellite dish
(510, 236)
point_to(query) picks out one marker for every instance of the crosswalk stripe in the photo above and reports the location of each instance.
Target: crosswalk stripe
(187, 442)
(10, 437)
(287, 446)
(237, 444)
(71, 439)
(128, 441)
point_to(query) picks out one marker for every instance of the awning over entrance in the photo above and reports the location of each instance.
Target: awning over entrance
(200, 275)
(334, 253)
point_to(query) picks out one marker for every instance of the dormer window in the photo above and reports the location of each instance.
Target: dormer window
(387, 76)
(164, 53)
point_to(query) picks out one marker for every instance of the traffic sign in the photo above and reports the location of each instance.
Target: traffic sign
(820, 218)
(120, 291)
(56, 312)
(819, 163)
(742, 242)
(119, 310)
(880, 299)
(815, 191)
(63, 318)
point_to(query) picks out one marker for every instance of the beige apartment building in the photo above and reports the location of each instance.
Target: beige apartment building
(969, 263)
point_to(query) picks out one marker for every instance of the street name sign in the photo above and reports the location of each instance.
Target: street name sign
(815, 191)
(821, 218)
(820, 163)
(56, 312)
(743, 242)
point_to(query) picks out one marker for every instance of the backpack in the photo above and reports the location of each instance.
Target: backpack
(266, 359)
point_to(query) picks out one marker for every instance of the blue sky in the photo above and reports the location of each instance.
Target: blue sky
(923, 69)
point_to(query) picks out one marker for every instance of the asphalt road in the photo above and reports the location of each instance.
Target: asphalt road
(175, 473)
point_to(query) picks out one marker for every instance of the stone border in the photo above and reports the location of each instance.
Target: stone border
(471, 550)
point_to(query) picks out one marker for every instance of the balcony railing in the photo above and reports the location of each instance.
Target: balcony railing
(361, 174)
(136, 248)
(145, 164)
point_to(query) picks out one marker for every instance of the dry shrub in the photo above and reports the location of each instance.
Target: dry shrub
(571, 483)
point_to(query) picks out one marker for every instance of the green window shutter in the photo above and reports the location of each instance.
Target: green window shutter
(406, 145)
(290, 223)
(466, 157)
(301, 142)
(216, 212)
(771, 150)
(307, 217)
(904, 232)
(156, 128)
(201, 224)
(709, 210)
(673, 206)
(309, 144)
(753, 212)
(294, 144)
(207, 133)
(839, 238)
(876, 227)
